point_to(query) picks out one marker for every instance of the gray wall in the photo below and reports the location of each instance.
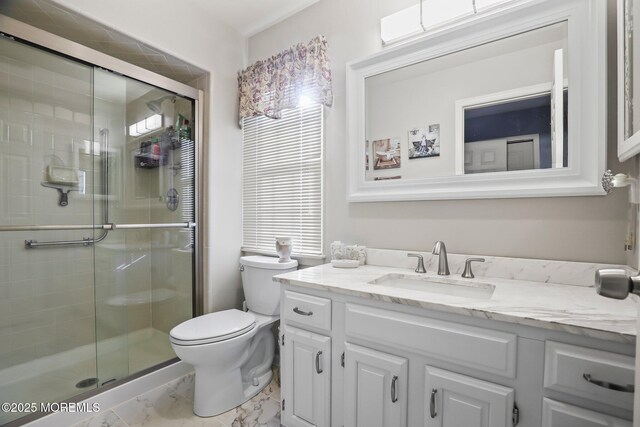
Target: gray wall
(570, 228)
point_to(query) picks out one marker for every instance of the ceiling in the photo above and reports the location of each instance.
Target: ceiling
(252, 16)
(248, 17)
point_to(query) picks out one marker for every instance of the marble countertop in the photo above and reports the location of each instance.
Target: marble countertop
(569, 308)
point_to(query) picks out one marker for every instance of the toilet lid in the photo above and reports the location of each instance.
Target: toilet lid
(213, 327)
(267, 262)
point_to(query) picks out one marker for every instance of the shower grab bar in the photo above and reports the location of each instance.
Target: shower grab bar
(87, 241)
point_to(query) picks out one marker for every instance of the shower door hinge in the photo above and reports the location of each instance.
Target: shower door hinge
(516, 414)
(342, 360)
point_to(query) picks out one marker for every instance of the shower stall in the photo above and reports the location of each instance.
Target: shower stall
(98, 203)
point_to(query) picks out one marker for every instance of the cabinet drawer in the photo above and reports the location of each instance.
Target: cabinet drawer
(592, 374)
(557, 414)
(307, 310)
(478, 348)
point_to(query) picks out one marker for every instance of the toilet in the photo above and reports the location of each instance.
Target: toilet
(232, 350)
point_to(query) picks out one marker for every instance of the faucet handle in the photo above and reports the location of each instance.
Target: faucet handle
(420, 268)
(467, 273)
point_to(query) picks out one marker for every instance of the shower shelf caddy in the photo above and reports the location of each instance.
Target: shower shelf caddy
(169, 139)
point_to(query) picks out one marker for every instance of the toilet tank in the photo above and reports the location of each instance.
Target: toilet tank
(260, 291)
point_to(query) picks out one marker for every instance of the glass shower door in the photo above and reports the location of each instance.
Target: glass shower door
(144, 268)
(47, 311)
(97, 204)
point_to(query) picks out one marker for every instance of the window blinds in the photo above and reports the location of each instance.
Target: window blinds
(282, 181)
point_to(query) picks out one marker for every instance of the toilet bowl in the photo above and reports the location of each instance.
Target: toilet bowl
(232, 350)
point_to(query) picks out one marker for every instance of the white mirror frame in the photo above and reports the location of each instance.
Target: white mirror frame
(587, 106)
(627, 147)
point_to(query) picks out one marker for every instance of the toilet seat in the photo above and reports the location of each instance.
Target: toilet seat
(213, 327)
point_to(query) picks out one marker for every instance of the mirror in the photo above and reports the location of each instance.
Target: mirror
(494, 99)
(508, 105)
(628, 80)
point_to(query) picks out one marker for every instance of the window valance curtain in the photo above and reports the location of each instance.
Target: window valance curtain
(270, 86)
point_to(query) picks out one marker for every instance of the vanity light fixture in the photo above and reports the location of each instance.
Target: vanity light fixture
(429, 15)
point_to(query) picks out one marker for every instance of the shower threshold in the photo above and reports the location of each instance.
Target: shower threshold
(56, 378)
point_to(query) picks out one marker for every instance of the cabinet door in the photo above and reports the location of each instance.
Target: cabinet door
(557, 414)
(454, 400)
(306, 379)
(375, 388)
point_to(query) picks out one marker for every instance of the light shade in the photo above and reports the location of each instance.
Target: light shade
(406, 23)
(400, 25)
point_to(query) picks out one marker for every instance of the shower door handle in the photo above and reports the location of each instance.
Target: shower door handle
(32, 244)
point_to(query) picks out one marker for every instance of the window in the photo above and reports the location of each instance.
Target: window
(282, 179)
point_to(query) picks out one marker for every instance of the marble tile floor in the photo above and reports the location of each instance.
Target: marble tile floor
(172, 405)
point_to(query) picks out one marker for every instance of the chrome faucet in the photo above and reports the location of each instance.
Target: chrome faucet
(443, 264)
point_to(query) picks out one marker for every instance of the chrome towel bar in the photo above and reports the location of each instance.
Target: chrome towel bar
(54, 227)
(87, 241)
(109, 226)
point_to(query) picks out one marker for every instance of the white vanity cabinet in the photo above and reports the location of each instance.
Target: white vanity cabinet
(350, 361)
(375, 387)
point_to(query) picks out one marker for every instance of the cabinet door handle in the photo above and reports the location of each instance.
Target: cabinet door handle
(629, 388)
(394, 394)
(302, 313)
(318, 368)
(432, 403)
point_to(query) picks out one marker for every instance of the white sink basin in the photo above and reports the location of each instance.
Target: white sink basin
(441, 286)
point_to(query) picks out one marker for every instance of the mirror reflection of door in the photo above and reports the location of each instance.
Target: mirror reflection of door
(523, 126)
(522, 154)
(485, 156)
(504, 154)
